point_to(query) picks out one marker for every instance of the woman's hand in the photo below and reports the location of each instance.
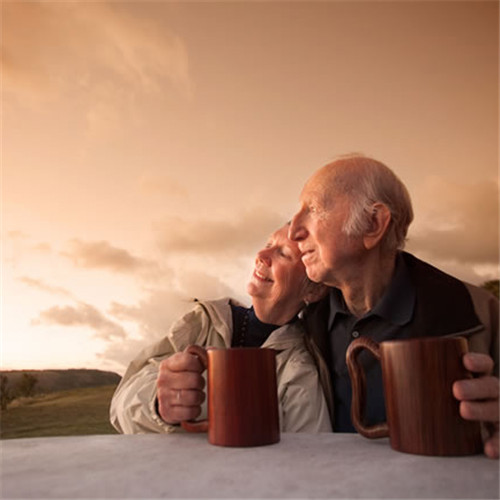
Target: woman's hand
(180, 388)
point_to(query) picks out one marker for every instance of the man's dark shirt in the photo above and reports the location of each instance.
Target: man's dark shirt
(383, 322)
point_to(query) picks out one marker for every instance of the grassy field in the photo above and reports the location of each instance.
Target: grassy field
(63, 413)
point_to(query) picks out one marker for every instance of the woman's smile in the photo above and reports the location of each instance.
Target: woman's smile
(261, 277)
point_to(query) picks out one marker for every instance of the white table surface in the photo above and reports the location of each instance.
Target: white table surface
(187, 466)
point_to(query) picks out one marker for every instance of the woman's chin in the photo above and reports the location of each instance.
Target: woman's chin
(251, 289)
(255, 290)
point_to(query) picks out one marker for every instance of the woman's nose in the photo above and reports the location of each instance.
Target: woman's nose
(297, 231)
(264, 256)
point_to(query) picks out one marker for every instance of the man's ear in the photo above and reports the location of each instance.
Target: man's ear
(379, 222)
(315, 292)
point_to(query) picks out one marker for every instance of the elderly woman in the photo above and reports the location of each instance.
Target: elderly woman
(164, 385)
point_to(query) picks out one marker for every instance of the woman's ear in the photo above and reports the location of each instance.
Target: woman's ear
(380, 219)
(315, 292)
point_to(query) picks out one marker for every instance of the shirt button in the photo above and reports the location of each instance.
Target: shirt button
(355, 334)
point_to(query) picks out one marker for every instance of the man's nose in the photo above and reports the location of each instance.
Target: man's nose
(297, 231)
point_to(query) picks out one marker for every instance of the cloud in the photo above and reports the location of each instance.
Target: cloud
(161, 307)
(82, 315)
(41, 285)
(461, 224)
(203, 286)
(118, 355)
(18, 244)
(101, 52)
(102, 255)
(153, 315)
(243, 235)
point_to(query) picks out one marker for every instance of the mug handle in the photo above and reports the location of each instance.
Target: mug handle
(197, 425)
(358, 381)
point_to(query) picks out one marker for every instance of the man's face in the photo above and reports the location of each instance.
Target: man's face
(327, 252)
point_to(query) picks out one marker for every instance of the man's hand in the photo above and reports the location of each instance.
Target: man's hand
(479, 398)
(180, 388)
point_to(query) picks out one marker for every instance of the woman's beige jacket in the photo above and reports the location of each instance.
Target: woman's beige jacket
(301, 400)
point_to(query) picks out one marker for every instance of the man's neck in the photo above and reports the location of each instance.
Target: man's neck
(366, 286)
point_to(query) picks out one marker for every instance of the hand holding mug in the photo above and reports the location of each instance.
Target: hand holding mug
(479, 398)
(180, 388)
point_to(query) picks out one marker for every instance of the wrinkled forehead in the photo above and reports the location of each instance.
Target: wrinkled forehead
(331, 184)
(320, 187)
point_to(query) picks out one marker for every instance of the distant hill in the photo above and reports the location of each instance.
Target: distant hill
(61, 413)
(49, 381)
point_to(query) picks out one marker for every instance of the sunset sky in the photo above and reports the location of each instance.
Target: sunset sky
(149, 148)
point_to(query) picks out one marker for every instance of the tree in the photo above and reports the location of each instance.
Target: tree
(6, 395)
(26, 386)
(492, 286)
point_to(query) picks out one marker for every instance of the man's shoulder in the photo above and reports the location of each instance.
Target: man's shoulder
(420, 268)
(442, 299)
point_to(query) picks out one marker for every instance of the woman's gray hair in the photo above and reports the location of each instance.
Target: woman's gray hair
(367, 181)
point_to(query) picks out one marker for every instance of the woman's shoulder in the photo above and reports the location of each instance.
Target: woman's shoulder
(290, 344)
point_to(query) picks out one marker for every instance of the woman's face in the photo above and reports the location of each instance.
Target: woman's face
(279, 277)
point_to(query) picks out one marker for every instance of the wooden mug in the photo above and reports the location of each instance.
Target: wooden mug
(242, 396)
(422, 413)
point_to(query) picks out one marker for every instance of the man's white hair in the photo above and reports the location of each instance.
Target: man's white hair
(367, 181)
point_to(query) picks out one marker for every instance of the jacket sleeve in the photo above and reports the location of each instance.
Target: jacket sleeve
(133, 406)
(133, 409)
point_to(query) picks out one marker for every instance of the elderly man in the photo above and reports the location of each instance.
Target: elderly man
(351, 228)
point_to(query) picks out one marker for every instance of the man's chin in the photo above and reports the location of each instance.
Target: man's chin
(313, 274)
(318, 275)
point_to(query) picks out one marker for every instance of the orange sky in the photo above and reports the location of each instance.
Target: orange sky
(148, 148)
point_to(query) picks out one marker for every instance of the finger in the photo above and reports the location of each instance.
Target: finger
(177, 414)
(180, 380)
(483, 411)
(182, 361)
(478, 363)
(491, 447)
(182, 413)
(476, 388)
(184, 397)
